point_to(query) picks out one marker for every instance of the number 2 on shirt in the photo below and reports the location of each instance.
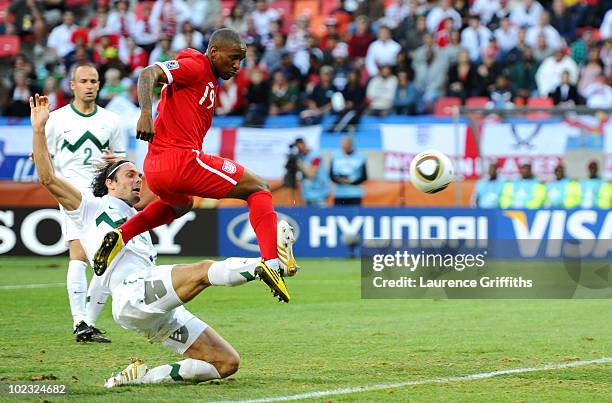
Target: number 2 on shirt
(210, 94)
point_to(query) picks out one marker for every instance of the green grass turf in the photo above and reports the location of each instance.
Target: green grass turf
(326, 338)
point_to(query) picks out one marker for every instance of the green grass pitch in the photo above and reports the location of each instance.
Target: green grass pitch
(326, 338)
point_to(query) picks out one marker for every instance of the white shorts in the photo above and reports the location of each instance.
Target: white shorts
(147, 303)
(70, 230)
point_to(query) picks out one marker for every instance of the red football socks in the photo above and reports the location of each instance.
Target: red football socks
(263, 221)
(155, 214)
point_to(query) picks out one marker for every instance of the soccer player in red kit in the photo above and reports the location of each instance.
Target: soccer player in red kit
(176, 169)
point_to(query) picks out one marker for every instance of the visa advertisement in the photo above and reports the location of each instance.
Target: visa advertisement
(339, 232)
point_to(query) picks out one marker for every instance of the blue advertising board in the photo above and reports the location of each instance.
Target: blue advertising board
(328, 232)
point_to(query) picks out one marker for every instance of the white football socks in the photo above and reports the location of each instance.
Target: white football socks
(76, 283)
(233, 271)
(96, 299)
(188, 370)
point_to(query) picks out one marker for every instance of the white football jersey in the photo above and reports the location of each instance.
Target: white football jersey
(76, 142)
(97, 216)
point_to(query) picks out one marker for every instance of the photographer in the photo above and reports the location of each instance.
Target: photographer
(348, 172)
(306, 166)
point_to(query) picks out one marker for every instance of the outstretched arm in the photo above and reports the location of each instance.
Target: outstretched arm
(147, 80)
(66, 194)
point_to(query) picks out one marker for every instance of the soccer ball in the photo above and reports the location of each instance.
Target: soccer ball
(431, 171)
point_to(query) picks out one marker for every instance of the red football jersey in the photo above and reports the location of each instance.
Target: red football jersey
(187, 103)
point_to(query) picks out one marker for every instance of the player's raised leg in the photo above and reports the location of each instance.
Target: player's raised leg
(264, 221)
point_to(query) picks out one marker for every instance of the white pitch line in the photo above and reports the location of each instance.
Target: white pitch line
(22, 286)
(369, 388)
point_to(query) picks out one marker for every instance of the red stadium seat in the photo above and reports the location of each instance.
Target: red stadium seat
(9, 45)
(539, 102)
(328, 7)
(444, 106)
(477, 102)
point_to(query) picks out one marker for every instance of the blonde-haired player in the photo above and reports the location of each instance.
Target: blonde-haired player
(80, 136)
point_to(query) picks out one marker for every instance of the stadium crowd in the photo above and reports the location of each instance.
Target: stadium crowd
(312, 57)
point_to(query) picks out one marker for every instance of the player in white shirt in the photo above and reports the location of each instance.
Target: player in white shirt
(80, 136)
(147, 298)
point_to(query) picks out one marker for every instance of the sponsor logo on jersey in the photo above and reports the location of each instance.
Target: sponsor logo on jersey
(241, 233)
(172, 64)
(229, 167)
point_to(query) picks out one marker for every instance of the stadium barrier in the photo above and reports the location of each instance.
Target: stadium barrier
(330, 232)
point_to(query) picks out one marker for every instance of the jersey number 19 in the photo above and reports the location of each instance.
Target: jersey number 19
(210, 94)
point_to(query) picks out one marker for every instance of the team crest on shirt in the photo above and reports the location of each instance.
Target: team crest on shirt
(172, 64)
(229, 167)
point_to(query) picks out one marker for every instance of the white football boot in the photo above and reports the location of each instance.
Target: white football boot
(131, 375)
(284, 247)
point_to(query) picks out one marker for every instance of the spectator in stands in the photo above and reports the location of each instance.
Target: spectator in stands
(406, 95)
(397, 11)
(291, 72)
(430, 77)
(606, 57)
(542, 51)
(354, 95)
(330, 37)
(112, 85)
(381, 52)
(441, 12)
(144, 31)
(502, 95)
(134, 57)
(18, 102)
(411, 35)
(566, 94)
(526, 13)
(205, 13)
(314, 175)
(162, 51)
(553, 39)
(121, 19)
(170, 14)
(590, 70)
(348, 171)
(187, 38)
(361, 39)
(59, 38)
(429, 44)
(562, 192)
(451, 51)
(462, 77)
(598, 94)
(25, 19)
(486, 74)
(486, 10)
(228, 98)
(580, 48)
(526, 192)
(595, 192)
(380, 92)
(271, 59)
(262, 17)
(507, 36)
(298, 36)
(236, 20)
(318, 101)
(475, 38)
(80, 55)
(283, 96)
(257, 99)
(548, 76)
(519, 50)
(606, 26)
(57, 97)
(341, 65)
(563, 21)
(487, 191)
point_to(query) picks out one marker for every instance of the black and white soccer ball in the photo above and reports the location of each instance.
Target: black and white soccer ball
(431, 171)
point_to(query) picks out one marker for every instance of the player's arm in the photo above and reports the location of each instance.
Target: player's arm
(66, 194)
(147, 80)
